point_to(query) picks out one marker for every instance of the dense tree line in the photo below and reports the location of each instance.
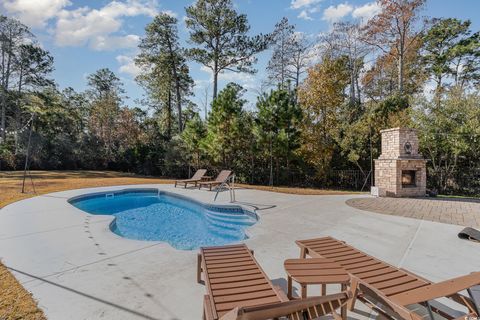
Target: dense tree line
(321, 110)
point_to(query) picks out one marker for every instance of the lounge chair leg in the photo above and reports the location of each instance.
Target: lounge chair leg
(289, 287)
(304, 291)
(207, 309)
(354, 289)
(199, 268)
(303, 253)
(343, 309)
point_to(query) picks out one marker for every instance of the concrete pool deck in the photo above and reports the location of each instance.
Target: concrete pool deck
(78, 269)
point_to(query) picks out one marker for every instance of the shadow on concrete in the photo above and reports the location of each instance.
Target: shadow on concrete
(357, 314)
(282, 283)
(86, 295)
(257, 207)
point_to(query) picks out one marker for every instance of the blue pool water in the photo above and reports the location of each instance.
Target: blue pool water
(159, 216)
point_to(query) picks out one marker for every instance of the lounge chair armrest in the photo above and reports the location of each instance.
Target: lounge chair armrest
(289, 307)
(231, 315)
(437, 290)
(390, 307)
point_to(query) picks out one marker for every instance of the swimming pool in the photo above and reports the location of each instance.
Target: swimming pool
(150, 214)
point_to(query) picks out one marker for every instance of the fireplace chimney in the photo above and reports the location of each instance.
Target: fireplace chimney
(400, 171)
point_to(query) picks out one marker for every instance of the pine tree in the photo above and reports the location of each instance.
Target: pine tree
(165, 73)
(278, 120)
(225, 125)
(221, 34)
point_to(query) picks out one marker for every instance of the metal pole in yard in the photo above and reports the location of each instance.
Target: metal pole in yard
(371, 160)
(27, 155)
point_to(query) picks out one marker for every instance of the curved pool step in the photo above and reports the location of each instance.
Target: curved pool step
(221, 231)
(243, 219)
(223, 225)
(228, 215)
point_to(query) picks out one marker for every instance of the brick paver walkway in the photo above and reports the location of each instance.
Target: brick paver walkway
(464, 212)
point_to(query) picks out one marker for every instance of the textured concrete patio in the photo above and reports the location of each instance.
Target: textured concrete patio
(462, 212)
(78, 269)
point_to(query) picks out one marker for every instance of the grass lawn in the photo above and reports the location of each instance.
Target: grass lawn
(15, 301)
(52, 181)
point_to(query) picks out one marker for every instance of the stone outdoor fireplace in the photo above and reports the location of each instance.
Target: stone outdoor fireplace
(400, 171)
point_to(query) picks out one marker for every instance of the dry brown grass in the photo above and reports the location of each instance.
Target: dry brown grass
(15, 301)
(299, 191)
(52, 181)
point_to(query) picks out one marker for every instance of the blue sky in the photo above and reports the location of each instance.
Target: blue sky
(84, 36)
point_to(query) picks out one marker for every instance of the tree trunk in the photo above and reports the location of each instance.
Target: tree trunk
(270, 182)
(358, 89)
(3, 115)
(177, 86)
(3, 94)
(282, 59)
(438, 91)
(5, 83)
(400, 73)
(215, 79)
(216, 57)
(352, 87)
(179, 104)
(18, 111)
(297, 82)
(169, 115)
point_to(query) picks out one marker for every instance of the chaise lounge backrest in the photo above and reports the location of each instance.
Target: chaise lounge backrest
(223, 175)
(382, 276)
(238, 289)
(233, 278)
(199, 174)
(394, 287)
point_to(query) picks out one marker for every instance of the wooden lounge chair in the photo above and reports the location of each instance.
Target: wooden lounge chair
(388, 289)
(237, 288)
(221, 178)
(196, 178)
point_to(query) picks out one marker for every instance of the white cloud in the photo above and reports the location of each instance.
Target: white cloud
(170, 13)
(202, 83)
(102, 43)
(304, 15)
(127, 65)
(206, 69)
(238, 77)
(367, 11)
(333, 14)
(34, 13)
(298, 4)
(244, 79)
(95, 26)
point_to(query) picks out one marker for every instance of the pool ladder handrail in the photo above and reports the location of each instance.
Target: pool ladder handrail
(229, 183)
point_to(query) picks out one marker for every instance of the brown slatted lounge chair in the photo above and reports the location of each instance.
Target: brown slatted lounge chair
(196, 178)
(238, 289)
(388, 289)
(221, 178)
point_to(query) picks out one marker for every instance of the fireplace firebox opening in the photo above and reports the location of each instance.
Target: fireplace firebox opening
(408, 178)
